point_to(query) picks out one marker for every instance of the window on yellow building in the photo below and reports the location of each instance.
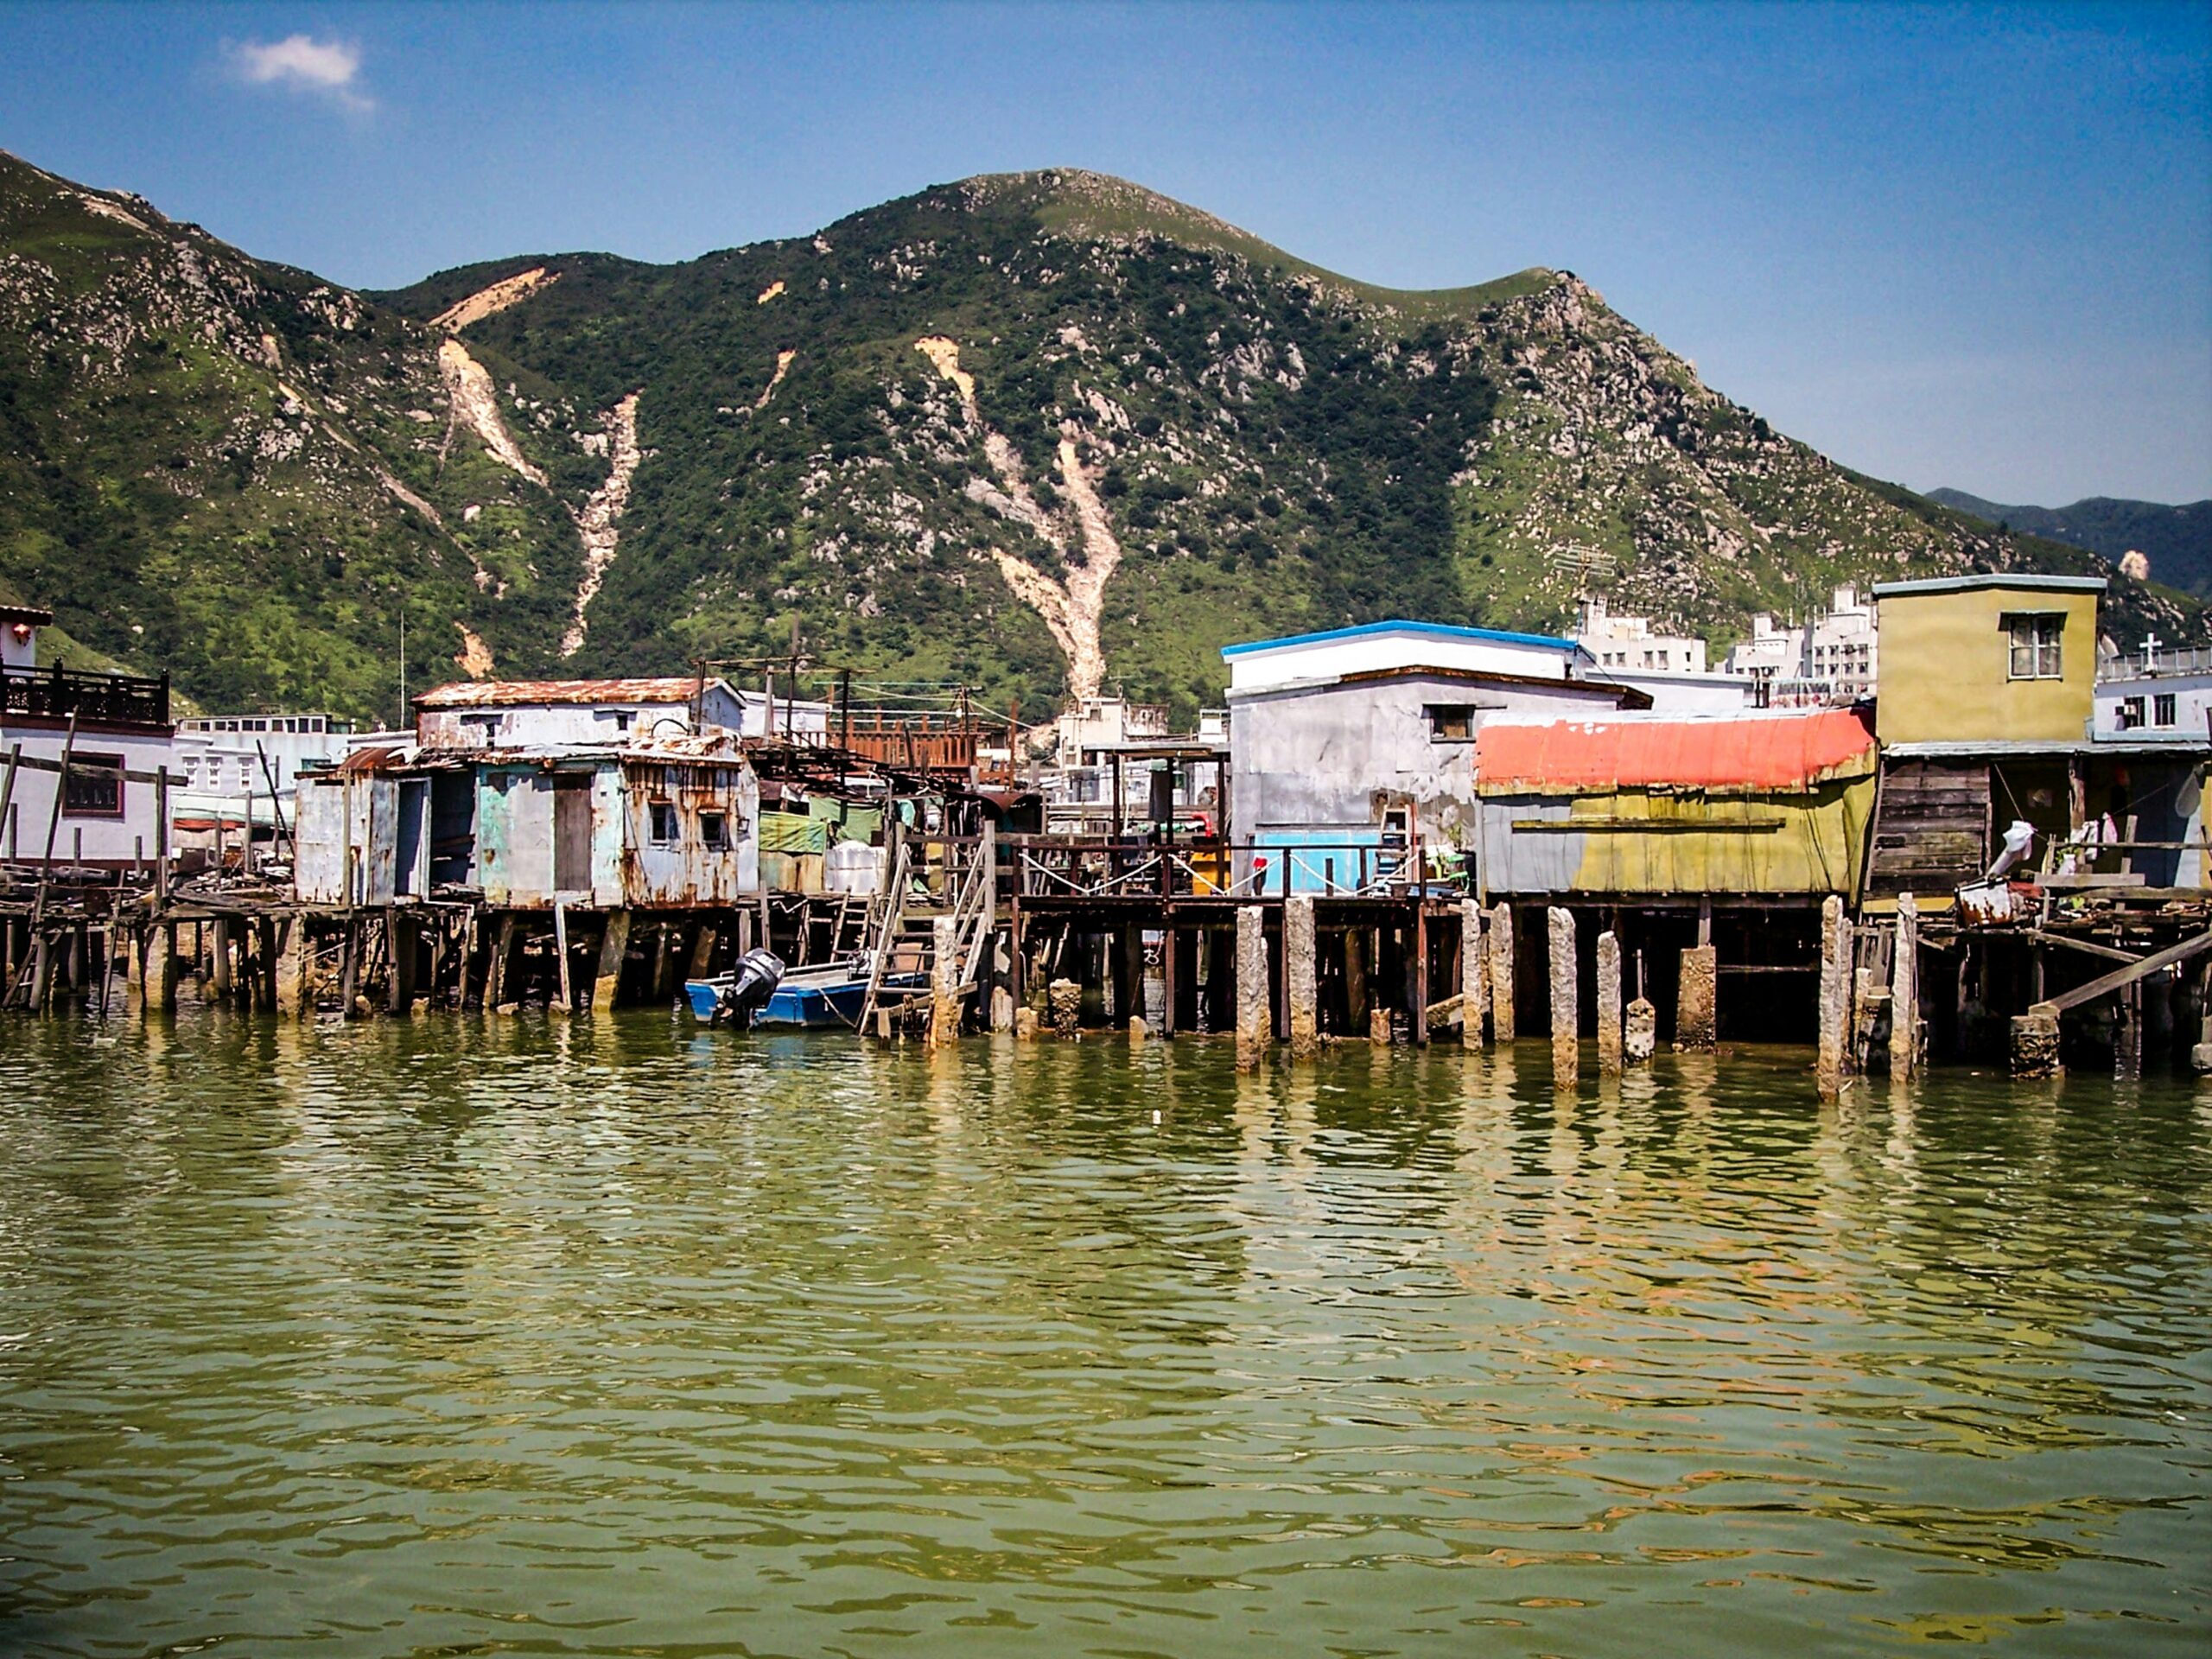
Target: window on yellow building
(2034, 638)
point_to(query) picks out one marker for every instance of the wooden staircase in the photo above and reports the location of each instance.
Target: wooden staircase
(904, 940)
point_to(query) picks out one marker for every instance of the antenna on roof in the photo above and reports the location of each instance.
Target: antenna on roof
(1585, 567)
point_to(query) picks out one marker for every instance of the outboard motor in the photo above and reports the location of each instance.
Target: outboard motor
(759, 973)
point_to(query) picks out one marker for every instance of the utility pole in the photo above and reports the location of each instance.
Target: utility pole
(402, 664)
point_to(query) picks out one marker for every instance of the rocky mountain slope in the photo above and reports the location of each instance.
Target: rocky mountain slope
(1035, 433)
(2176, 541)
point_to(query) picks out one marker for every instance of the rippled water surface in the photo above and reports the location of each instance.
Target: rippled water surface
(617, 1338)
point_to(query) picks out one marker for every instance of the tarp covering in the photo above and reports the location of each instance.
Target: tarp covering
(1780, 752)
(791, 832)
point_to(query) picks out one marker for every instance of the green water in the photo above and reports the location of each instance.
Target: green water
(511, 1335)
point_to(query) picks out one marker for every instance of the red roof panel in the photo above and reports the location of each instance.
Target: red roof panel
(1782, 751)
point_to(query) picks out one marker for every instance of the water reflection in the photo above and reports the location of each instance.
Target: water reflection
(609, 1335)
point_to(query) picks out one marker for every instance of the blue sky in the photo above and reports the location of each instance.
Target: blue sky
(1947, 246)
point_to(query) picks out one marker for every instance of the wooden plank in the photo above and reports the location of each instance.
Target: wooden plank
(1575, 826)
(2088, 946)
(2121, 978)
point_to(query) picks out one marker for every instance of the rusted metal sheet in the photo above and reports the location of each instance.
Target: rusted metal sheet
(1790, 752)
(690, 828)
(1996, 903)
(374, 758)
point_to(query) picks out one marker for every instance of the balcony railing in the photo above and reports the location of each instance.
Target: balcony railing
(103, 699)
(1143, 866)
(2157, 663)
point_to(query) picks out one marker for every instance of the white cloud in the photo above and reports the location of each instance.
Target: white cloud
(301, 64)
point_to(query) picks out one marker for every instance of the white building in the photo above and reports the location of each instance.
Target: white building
(2154, 695)
(1345, 745)
(1105, 722)
(224, 754)
(1829, 658)
(116, 731)
(1391, 647)
(1627, 643)
(543, 713)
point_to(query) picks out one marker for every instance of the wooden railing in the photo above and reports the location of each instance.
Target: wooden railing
(1135, 866)
(110, 699)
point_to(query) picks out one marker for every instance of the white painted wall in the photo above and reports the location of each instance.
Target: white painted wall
(1398, 645)
(2192, 696)
(1317, 761)
(111, 840)
(217, 753)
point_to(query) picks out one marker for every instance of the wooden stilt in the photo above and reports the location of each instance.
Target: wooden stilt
(1253, 1000)
(1566, 1014)
(613, 946)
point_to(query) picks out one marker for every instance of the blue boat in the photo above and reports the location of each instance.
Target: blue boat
(829, 994)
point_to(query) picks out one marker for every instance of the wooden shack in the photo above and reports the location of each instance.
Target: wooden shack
(1767, 805)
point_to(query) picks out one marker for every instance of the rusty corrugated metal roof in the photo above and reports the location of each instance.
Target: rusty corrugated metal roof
(1782, 751)
(497, 694)
(371, 758)
(717, 744)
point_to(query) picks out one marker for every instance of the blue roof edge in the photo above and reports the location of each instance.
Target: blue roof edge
(1443, 630)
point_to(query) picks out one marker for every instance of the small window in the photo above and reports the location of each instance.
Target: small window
(663, 824)
(2034, 640)
(2162, 708)
(622, 719)
(714, 830)
(1450, 721)
(93, 787)
(2131, 712)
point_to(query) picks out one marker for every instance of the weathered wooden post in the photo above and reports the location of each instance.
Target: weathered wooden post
(134, 968)
(499, 971)
(1129, 974)
(560, 957)
(219, 979)
(2035, 1042)
(1640, 1032)
(1835, 997)
(349, 973)
(998, 952)
(1297, 946)
(944, 981)
(1255, 1019)
(702, 951)
(269, 965)
(1474, 974)
(1416, 941)
(1904, 991)
(291, 992)
(399, 959)
(1566, 1012)
(1356, 1006)
(1609, 1005)
(163, 968)
(613, 946)
(1501, 973)
(1870, 1000)
(2127, 1032)
(1696, 996)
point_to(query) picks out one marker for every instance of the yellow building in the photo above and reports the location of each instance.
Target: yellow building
(1988, 659)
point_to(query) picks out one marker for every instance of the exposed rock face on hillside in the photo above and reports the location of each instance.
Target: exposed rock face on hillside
(1034, 433)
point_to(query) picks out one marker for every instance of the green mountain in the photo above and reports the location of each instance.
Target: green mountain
(1032, 433)
(2176, 541)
